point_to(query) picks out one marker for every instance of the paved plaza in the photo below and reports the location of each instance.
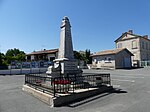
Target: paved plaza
(132, 94)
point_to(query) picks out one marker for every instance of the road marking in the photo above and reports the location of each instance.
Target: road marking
(123, 80)
(134, 74)
(128, 76)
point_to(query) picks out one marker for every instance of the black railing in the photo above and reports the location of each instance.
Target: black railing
(66, 84)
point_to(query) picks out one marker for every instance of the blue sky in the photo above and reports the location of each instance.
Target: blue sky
(35, 24)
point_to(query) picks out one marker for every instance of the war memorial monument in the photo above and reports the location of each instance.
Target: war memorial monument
(65, 64)
(64, 82)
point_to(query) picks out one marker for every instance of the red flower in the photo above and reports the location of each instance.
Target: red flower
(61, 82)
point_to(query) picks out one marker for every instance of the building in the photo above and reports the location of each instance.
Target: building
(45, 55)
(138, 45)
(112, 59)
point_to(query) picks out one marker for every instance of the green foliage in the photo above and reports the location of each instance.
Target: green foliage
(3, 64)
(88, 57)
(11, 55)
(1, 61)
(85, 56)
(78, 56)
(2, 58)
(15, 55)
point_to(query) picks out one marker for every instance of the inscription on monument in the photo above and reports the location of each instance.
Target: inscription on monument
(71, 65)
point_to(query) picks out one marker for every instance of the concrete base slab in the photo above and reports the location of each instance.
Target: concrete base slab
(63, 99)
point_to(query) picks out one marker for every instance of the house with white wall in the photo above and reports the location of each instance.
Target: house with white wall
(112, 59)
(47, 55)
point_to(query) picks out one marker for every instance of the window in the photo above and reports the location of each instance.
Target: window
(134, 44)
(52, 58)
(147, 57)
(143, 45)
(95, 61)
(119, 45)
(108, 60)
(146, 46)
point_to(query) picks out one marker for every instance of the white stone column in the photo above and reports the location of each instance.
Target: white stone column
(66, 47)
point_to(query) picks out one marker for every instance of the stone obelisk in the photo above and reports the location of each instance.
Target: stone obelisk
(66, 47)
(68, 64)
(65, 65)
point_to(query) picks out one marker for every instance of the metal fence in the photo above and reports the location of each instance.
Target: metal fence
(32, 64)
(23, 71)
(144, 63)
(25, 67)
(66, 84)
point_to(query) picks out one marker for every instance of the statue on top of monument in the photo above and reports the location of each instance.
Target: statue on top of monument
(65, 21)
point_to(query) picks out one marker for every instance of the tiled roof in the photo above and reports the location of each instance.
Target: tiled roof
(44, 52)
(107, 52)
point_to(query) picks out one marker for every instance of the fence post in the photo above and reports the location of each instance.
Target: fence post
(21, 68)
(10, 71)
(146, 63)
(30, 68)
(73, 85)
(109, 80)
(39, 66)
(25, 79)
(54, 86)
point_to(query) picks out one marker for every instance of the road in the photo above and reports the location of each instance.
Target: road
(132, 94)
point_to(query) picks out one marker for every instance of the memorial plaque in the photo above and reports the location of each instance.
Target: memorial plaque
(71, 65)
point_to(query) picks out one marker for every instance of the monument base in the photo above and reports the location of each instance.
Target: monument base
(64, 99)
(65, 68)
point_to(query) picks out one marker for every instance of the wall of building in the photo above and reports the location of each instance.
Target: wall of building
(106, 61)
(38, 57)
(134, 49)
(144, 49)
(140, 50)
(32, 57)
(51, 56)
(121, 58)
(134, 46)
(128, 36)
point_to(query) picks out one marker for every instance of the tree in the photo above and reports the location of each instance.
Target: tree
(1, 61)
(77, 55)
(88, 57)
(84, 56)
(3, 64)
(15, 55)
